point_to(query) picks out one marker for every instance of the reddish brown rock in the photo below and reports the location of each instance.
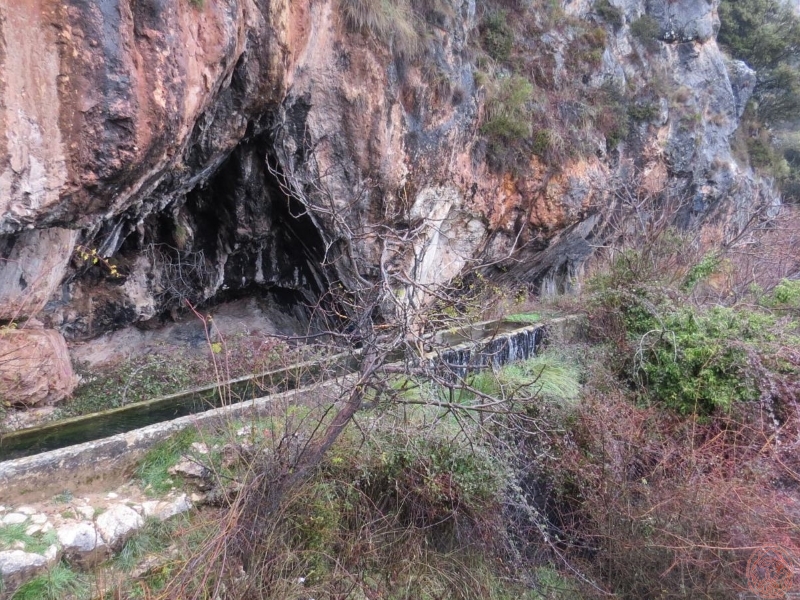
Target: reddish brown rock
(31, 270)
(34, 367)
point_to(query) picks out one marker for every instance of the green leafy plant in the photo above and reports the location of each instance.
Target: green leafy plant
(698, 362)
(786, 294)
(702, 270)
(643, 111)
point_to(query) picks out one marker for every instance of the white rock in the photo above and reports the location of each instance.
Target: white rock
(117, 524)
(112, 495)
(47, 527)
(199, 447)
(52, 555)
(39, 519)
(26, 510)
(32, 529)
(82, 544)
(18, 545)
(164, 509)
(87, 512)
(3, 509)
(188, 468)
(17, 567)
(14, 518)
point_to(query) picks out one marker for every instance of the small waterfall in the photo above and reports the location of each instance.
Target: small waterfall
(458, 362)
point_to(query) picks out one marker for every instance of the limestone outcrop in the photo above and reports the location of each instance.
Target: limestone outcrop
(181, 145)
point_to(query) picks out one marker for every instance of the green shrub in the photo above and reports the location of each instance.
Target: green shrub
(647, 30)
(496, 36)
(702, 270)
(698, 361)
(508, 114)
(609, 13)
(643, 111)
(765, 157)
(541, 143)
(786, 294)
(690, 359)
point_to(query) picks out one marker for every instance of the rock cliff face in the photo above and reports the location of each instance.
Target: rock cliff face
(182, 141)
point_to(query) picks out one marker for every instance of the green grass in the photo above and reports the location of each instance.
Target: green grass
(59, 583)
(547, 376)
(38, 543)
(140, 378)
(153, 538)
(531, 317)
(63, 498)
(153, 470)
(551, 585)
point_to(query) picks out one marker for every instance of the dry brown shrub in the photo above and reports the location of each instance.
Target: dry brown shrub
(662, 506)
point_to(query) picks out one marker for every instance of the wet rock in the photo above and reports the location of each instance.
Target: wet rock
(82, 544)
(117, 524)
(17, 567)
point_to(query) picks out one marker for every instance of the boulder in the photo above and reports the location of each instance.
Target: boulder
(165, 509)
(35, 263)
(14, 518)
(117, 524)
(18, 566)
(34, 367)
(82, 544)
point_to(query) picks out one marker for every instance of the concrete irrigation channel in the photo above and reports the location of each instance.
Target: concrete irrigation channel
(102, 448)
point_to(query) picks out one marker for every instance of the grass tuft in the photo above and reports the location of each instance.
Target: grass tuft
(391, 22)
(59, 583)
(37, 543)
(153, 471)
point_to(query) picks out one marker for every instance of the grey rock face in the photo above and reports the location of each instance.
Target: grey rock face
(685, 20)
(743, 82)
